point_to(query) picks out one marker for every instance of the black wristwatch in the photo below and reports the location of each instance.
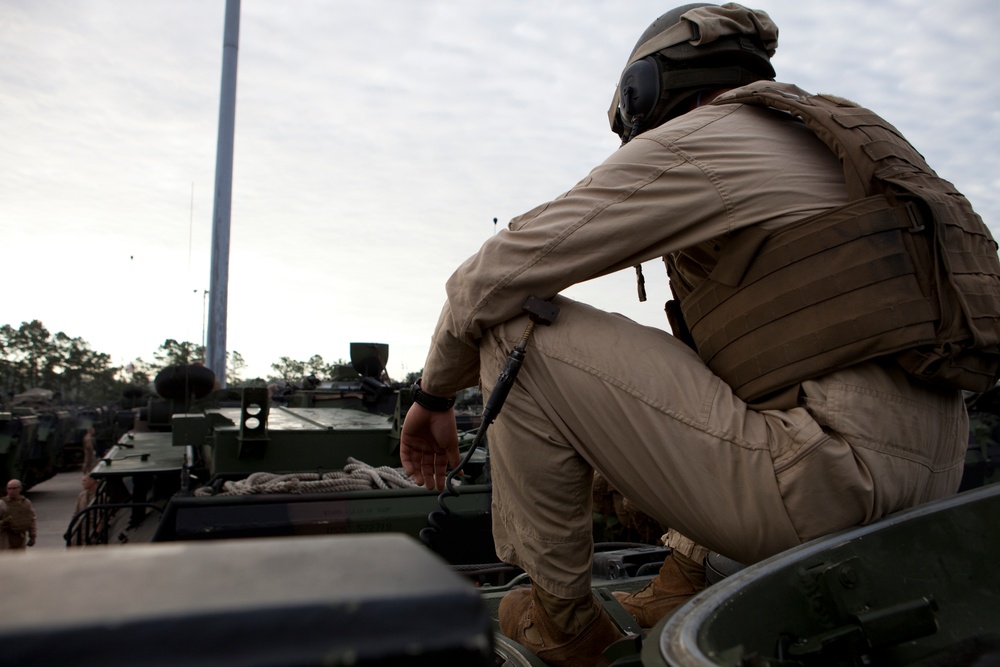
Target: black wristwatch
(432, 403)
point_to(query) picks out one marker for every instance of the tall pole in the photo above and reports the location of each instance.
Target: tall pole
(204, 322)
(215, 353)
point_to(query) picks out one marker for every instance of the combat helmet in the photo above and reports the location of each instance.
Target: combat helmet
(688, 50)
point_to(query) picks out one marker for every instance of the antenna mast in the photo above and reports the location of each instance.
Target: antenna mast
(215, 353)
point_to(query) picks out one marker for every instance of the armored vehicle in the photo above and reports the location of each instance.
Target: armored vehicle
(18, 433)
(271, 461)
(33, 434)
(917, 588)
(38, 435)
(220, 468)
(54, 430)
(97, 417)
(914, 589)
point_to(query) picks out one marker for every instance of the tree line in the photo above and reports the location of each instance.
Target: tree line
(31, 356)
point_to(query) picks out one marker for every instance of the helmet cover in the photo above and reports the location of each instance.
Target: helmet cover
(691, 32)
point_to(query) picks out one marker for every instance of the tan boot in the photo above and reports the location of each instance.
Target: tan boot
(523, 619)
(679, 580)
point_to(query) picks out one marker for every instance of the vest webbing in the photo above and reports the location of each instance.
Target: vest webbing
(905, 269)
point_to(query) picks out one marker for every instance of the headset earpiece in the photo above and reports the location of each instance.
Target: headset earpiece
(639, 90)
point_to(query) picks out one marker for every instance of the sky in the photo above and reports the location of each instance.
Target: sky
(375, 143)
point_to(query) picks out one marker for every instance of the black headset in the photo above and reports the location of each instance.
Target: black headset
(653, 88)
(638, 91)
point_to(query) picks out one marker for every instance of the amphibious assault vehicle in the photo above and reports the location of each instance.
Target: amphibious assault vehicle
(299, 463)
(403, 576)
(18, 433)
(41, 436)
(263, 462)
(32, 442)
(918, 588)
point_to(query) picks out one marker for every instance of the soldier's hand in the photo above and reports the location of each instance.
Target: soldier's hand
(428, 445)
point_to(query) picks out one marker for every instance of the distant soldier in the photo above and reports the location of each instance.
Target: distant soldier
(86, 496)
(89, 453)
(18, 523)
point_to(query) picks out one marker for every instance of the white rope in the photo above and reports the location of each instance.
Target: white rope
(356, 476)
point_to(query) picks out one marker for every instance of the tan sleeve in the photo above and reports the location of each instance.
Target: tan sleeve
(686, 183)
(643, 202)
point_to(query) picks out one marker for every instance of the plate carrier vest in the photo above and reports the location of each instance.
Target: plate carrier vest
(906, 269)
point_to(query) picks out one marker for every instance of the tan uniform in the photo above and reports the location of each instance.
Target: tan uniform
(18, 523)
(600, 391)
(89, 455)
(83, 501)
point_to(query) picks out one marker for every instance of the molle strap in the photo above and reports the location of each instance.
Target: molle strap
(907, 270)
(826, 293)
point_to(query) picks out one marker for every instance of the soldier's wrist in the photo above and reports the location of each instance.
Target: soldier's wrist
(430, 401)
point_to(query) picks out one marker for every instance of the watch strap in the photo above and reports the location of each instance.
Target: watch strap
(432, 403)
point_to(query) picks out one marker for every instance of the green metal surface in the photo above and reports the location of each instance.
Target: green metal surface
(303, 439)
(376, 511)
(141, 453)
(190, 471)
(914, 588)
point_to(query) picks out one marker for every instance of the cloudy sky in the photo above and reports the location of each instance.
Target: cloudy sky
(375, 143)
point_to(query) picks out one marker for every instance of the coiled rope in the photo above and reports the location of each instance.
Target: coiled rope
(356, 476)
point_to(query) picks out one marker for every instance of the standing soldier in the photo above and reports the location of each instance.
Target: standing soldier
(89, 453)
(18, 524)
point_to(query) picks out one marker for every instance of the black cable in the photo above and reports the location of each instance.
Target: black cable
(539, 312)
(496, 400)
